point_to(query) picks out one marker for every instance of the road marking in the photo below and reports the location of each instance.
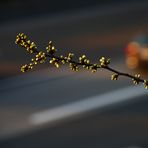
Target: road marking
(89, 104)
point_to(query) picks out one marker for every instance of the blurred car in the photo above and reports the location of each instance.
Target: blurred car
(137, 54)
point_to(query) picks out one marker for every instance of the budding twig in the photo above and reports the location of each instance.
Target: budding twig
(49, 55)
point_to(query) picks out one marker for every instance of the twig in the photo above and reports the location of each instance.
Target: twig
(41, 57)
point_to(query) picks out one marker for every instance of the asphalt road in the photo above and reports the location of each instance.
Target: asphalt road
(123, 126)
(88, 110)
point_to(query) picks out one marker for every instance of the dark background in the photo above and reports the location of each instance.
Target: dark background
(16, 9)
(95, 28)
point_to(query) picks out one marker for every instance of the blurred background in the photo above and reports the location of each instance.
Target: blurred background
(49, 107)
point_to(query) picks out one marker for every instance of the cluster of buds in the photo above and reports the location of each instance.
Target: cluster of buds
(40, 57)
(104, 62)
(50, 48)
(69, 57)
(85, 62)
(55, 61)
(26, 67)
(73, 67)
(94, 67)
(136, 79)
(146, 84)
(66, 59)
(114, 76)
(21, 39)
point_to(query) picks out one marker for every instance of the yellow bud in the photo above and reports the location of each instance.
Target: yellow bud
(114, 77)
(146, 84)
(57, 65)
(24, 68)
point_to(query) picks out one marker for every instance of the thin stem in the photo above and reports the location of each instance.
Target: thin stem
(41, 57)
(122, 74)
(104, 67)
